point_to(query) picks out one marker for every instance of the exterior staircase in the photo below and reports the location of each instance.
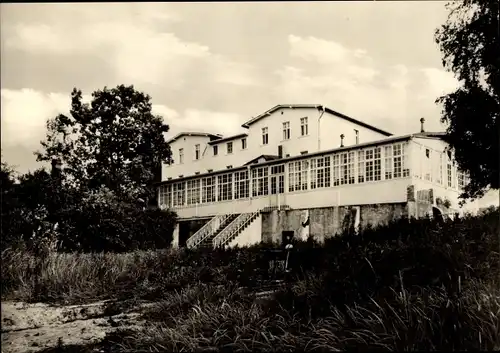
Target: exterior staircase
(233, 229)
(207, 243)
(207, 231)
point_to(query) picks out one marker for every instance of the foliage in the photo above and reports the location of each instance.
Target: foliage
(41, 210)
(110, 151)
(410, 285)
(470, 44)
(114, 142)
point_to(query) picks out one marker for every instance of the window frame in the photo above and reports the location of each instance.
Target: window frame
(304, 126)
(265, 136)
(225, 187)
(286, 130)
(181, 155)
(197, 151)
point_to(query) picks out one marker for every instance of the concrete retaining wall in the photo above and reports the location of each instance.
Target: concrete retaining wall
(326, 221)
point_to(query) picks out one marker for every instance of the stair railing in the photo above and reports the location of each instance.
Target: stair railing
(206, 231)
(233, 228)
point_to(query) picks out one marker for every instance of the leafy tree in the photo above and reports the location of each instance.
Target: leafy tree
(470, 44)
(27, 204)
(114, 142)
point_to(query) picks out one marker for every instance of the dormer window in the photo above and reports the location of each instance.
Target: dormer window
(229, 147)
(216, 150)
(243, 143)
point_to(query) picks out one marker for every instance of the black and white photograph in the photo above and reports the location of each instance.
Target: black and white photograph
(239, 176)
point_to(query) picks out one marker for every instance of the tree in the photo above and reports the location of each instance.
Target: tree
(470, 44)
(114, 142)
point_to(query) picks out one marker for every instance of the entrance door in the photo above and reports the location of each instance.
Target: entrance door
(277, 184)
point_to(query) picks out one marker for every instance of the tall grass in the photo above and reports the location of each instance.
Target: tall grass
(410, 285)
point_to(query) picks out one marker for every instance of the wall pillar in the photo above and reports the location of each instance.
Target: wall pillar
(216, 183)
(185, 194)
(411, 205)
(175, 236)
(250, 187)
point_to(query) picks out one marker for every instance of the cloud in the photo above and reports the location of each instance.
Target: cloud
(225, 123)
(348, 79)
(136, 42)
(25, 112)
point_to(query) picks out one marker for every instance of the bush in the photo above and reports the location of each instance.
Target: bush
(40, 208)
(409, 285)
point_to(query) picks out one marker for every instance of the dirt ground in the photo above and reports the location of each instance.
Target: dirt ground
(34, 327)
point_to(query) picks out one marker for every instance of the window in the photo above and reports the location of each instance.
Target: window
(347, 168)
(286, 130)
(193, 191)
(304, 128)
(166, 195)
(372, 164)
(265, 136)
(197, 152)
(427, 165)
(297, 175)
(320, 172)
(277, 179)
(461, 179)
(179, 196)
(260, 181)
(229, 147)
(388, 162)
(225, 185)
(361, 167)
(216, 150)
(241, 183)
(343, 169)
(208, 189)
(450, 177)
(243, 143)
(395, 161)
(181, 155)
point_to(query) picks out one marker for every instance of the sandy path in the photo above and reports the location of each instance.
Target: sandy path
(33, 327)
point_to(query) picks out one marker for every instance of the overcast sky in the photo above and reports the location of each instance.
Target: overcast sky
(212, 66)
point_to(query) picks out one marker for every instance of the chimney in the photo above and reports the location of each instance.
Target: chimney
(357, 136)
(341, 140)
(422, 121)
(280, 151)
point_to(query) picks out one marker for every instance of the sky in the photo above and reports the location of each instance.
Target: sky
(212, 66)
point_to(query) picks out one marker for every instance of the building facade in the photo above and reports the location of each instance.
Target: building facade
(304, 169)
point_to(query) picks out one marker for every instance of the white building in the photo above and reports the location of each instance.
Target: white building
(303, 169)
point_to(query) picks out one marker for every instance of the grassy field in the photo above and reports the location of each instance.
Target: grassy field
(416, 285)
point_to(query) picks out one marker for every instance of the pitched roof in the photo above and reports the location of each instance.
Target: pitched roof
(194, 133)
(267, 157)
(228, 138)
(441, 135)
(320, 108)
